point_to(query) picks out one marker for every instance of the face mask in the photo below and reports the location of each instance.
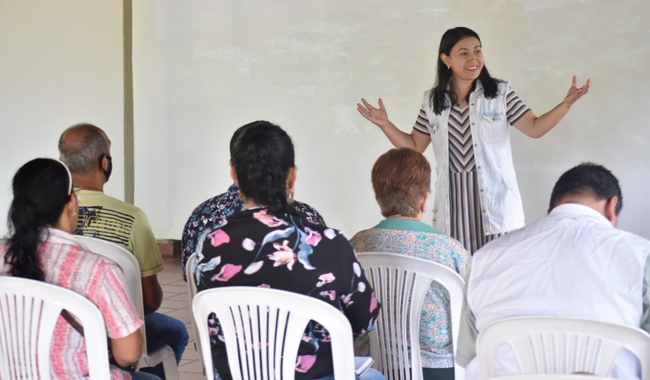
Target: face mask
(107, 173)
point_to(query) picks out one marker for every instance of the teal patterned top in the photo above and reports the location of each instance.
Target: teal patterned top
(418, 239)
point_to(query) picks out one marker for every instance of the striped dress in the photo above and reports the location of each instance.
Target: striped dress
(69, 264)
(465, 209)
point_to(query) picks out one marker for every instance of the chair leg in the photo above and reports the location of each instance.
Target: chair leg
(171, 368)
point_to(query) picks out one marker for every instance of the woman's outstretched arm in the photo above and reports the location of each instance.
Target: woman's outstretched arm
(379, 117)
(537, 127)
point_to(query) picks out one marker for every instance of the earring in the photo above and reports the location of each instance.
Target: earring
(448, 67)
(290, 196)
(242, 197)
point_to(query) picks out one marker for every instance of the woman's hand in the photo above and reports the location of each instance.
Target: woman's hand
(576, 93)
(377, 116)
(537, 127)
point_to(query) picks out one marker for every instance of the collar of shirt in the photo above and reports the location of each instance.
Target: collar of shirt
(54, 235)
(233, 193)
(406, 225)
(577, 209)
(233, 190)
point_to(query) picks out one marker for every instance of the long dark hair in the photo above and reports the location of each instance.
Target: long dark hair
(42, 188)
(263, 155)
(439, 91)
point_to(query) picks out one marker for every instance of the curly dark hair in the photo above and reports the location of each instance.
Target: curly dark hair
(262, 157)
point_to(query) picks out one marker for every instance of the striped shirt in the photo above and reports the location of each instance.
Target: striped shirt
(69, 264)
(107, 218)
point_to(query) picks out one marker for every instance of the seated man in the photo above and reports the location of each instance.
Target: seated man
(574, 263)
(211, 213)
(401, 179)
(85, 149)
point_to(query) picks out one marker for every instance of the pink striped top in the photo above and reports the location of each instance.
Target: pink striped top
(70, 264)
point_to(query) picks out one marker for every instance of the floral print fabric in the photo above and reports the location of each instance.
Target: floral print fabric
(417, 239)
(255, 248)
(211, 214)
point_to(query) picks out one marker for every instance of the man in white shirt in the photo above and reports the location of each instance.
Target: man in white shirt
(572, 263)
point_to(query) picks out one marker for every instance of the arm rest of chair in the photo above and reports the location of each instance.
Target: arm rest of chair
(164, 355)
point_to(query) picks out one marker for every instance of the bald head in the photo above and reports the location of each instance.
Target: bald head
(82, 146)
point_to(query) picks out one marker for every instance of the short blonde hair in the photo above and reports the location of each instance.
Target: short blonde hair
(401, 179)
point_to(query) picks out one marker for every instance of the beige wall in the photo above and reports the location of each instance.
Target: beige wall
(202, 68)
(60, 63)
(212, 66)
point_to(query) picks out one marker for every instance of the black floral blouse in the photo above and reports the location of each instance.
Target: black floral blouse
(255, 248)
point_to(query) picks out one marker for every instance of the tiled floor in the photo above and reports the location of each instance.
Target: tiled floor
(176, 304)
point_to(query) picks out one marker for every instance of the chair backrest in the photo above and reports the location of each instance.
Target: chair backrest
(29, 310)
(263, 330)
(190, 269)
(126, 261)
(562, 345)
(552, 377)
(130, 268)
(400, 281)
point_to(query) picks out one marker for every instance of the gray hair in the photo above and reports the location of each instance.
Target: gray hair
(81, 146)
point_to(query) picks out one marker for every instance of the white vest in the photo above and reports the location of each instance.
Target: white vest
(500, 200)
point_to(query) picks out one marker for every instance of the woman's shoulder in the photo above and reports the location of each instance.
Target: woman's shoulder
(502, 84)
(63, 252)
(427, 98)
(281, 220)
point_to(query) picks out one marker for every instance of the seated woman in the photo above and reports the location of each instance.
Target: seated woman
(269, 244)
(42, 216)
(401, 179)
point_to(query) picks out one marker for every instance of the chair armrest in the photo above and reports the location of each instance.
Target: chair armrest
(164, 355)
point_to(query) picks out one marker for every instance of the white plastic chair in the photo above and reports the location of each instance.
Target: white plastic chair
(561, 345)
(553, 377)
(400, 281)
(29, 310)
(274, 319)
(190, 267)
(132, 276)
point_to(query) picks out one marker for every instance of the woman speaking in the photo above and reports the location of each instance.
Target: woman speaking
(466, 115)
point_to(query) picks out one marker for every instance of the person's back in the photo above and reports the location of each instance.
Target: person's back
(104, 217)
(66, 262)
(602, 279)
(41, 248)
(401, 179)
(572, 263)
(269, 245)
(85, 148)
(416, 239)
(289, 253)
(211, 213)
